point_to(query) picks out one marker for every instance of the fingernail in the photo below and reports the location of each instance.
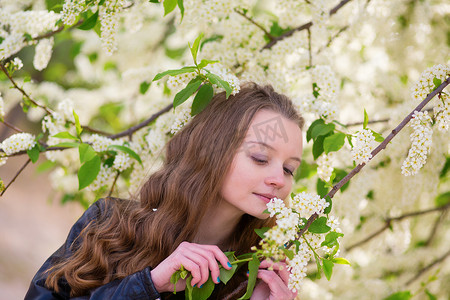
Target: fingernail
(200, 286)
(248, 273)
(195, 285)
(229, 264)
(218, 279)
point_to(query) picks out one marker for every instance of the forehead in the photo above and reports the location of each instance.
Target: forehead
(275, 130)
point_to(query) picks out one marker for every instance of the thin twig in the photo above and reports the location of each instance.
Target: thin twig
(302, 27)
(388, 222)
(332, 38)
(427, 267)
(114, 183)
(22, 91)
(380, 147)
(7, 124)
(17, 175)
(135, 128)
(309, 47)
(435, 227)
(271, 37)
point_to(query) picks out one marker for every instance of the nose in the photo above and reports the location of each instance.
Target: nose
(276, 178)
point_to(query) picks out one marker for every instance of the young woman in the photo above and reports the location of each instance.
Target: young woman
(219, 172)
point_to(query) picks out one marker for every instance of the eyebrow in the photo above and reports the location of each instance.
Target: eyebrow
(272, 148)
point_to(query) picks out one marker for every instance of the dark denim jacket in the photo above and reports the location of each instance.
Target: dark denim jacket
(135, 286)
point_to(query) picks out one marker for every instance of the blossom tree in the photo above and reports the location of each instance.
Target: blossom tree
(107, 83)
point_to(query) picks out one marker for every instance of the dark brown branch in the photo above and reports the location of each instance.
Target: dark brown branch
(271, 37)
(135, 128)
(302, 27)
(22, 91)
(388, 222)
(427, 267)
(15, 176)
(380, 147)
(11, 126)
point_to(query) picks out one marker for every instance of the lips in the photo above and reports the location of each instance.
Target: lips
(265, 197)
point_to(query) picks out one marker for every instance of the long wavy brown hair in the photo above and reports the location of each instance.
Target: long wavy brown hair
(130, 235)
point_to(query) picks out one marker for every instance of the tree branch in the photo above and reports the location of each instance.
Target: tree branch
(331, 39)
(302, 27)
(135, 128)
(388, 222)
(114, 183)
(22, 91)
(309, 47)
(435, 227)
(271, 37)
(15, 176)
(427, 267)
(380, 147)
(7, 124)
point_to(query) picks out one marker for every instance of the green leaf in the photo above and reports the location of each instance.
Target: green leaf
(322, 129)
(437, 82)
(321, 188)
(205, 291)
(33, 153)
(331, 239)
(189, 288)
(88, 172)
(318, 147)
(143, 87)
(46, 165)
(330, 206)
(261, 231)
(202, 99)
(327, 268)
(128, 151)
(66, 145)
(183, 70)
(214, 79)
(188, 91)
(430, 295)
(225, 275)
(77, 124)
(253, 267)
(86, 152)
(366, 119)
(405, 295)
(65, 135)
(181, 7)
(334, 142)
(90, 22)
(289, 253)
(169, 6)
(319, 226)
(311, 127)
(341, 261)
(442, 199)
(205, 62)
(174, 279)
(195, 47)
(378, 137)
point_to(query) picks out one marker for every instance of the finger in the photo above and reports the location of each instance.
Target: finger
(212, 262)
(203, 266)
(219, 255)
(279, 267)
(278, 288)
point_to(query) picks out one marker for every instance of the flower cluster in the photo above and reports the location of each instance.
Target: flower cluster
(182, 118)
(442, 112)
(226, 75)
(307, 204)
(99, 143)
(425, 83)
(109, 28)
(18, 142)
(363, 144)
(43, 53)
(420, 143)
(104, 178)
(71, 9)
(325, 166)
(178, 82)
(122, 162)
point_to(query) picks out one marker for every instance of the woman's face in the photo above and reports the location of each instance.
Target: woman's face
(263, 166)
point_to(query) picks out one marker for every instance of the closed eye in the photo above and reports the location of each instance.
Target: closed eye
(289, 172)
(258, 160)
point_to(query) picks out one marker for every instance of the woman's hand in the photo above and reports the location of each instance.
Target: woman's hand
(198, 259)
(274, 282)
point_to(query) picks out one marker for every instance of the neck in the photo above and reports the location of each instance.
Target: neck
(217, 226)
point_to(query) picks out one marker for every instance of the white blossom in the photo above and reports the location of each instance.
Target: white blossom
(99, 143)
(18, 142)
(182, 118)
(122, 162)
(307, 204)
(363, 144)
(43, 53)
(325, 166)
